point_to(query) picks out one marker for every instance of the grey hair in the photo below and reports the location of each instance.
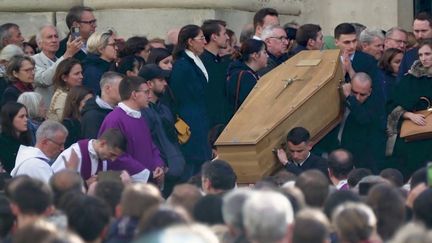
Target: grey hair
(268, 31)
(232, 206)
(362, 77)
(368, 35)
(5, 33)
(266, 216)
(32, 101)
(192, 233)
(10, 51)
(39, 33)
(390, 32)
(109, 78)
(48, 129)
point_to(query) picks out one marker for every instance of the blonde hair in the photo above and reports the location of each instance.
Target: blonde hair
(98, 41)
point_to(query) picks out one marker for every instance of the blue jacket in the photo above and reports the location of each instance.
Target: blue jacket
(94, 67)
(188, 84)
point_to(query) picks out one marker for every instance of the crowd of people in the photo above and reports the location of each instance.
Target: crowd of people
(111, 140)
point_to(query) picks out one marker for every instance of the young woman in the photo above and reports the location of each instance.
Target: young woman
(68, 75)
(409, 96)
(75, 99)
(161, 57)
(389, 67)
(14, 133)
(188, 82)
(242, 75)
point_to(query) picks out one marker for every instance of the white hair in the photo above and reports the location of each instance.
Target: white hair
(48, 129)
(268, 31)
(9, 51)
(39, 33)
(368, 35)
(32, 101)
(266, 216)
(232, 206)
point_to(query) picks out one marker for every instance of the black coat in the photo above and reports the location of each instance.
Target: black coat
(93, 69)
(92, 116)
(313, 162)
(80, 55)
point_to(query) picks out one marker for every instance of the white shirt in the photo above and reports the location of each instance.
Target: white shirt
(198, 62)
(33, 162)
(129, 111)
(302, 162)
(59, 163)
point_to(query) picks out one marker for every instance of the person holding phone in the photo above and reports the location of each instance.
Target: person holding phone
(82, 23)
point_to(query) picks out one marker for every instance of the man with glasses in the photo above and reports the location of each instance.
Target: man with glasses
(396, 38)
(80, 17)
(276, 42)
(35, 161)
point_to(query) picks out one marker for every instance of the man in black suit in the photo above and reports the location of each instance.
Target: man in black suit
(301, 159)
(81, 17)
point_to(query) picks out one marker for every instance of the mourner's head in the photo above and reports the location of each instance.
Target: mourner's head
(361, 87)
(346, 38)
(298, 144)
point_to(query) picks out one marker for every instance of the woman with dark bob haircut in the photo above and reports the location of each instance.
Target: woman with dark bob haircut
(188, 82)
(389, 66)
(242, 75)
(14, 133)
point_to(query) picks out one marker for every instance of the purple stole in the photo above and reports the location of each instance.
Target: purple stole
(86, 161)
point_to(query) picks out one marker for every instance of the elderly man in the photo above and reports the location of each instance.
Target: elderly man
(47, 62)
(396, 38)
(10, 33)
(276, 41)
(372, 42)
(80, 17)
(35, 161)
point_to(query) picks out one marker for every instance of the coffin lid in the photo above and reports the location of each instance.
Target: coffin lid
(278, 94)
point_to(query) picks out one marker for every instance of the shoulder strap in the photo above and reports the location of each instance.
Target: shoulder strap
(85, 170)
(236, 101)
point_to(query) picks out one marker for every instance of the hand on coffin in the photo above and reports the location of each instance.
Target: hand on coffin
(418, 119)
(282, 156)
(346, 88)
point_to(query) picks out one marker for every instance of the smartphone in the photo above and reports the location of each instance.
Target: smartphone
(75, 32)
(429, 174)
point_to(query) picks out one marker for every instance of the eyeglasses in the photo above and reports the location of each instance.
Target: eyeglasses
(90, 22)
(146, 91)
(398, 41)
(199, 38)
(281, 38)
(56, 143)
(28, 70)
(112, 44)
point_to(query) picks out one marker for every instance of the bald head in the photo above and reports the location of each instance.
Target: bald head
(361, 86)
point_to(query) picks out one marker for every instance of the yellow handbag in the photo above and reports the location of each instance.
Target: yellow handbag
(183, 131)
(413, 132)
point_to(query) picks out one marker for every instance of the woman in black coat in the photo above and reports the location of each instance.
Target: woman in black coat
(188, 81)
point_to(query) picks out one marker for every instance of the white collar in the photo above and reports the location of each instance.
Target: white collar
(197, 62)
(301, 163)
(102, 103)
(255, 37)
(129, 111)
(341, 184)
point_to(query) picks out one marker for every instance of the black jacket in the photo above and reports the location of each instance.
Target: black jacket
(92, 116)
(313, 162)
(80, 55)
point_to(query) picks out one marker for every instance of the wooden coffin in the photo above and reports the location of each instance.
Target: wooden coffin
(303, 91)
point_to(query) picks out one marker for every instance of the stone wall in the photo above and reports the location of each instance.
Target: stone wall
(154, 18)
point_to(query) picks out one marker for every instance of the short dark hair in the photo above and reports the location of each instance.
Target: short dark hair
(87, 216)
(315, 187)
(128, 63)
(220, 174)
(212, 26)
(308, 229)
(208, 210)
(344, 29)
(337, 198)
(393, 175)
(421, 208)
(261, 14)
(298, 135)
(32, 196)
(355, 176)
(419, 176)
(247, 48)
(5, 34)
(75, 13)
(114, 138)
(128, 85)
(340, 166)
(307, 32)
(424, 16)
(134, 45)
(110, 191)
